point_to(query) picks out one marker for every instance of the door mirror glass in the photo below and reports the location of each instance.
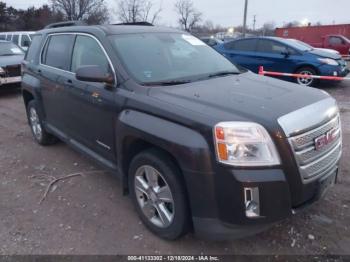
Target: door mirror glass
(93, 74)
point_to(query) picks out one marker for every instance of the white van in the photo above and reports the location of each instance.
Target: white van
(22, 39)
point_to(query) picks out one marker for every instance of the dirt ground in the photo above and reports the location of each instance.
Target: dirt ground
(88, 214)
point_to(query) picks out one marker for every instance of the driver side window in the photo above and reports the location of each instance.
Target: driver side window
(87, 52)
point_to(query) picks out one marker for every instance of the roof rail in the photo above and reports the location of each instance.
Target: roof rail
(136, 23)
(66, 23)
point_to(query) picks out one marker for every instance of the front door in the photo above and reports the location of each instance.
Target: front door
(94, 113)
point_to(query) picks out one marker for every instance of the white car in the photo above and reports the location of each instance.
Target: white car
(22, 39)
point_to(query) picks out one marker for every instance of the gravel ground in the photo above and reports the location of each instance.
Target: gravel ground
(88, 214)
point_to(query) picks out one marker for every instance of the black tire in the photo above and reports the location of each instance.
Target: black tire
(307, 82)
(158, 160)
(44, 138)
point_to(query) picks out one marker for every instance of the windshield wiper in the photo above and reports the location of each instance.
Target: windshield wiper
(168, 83)
(223, 73)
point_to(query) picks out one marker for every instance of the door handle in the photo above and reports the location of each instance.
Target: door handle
(69, 81)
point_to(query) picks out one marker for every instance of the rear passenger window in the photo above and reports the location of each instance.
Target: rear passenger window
(2, 37)
(15, 39)
(33, 49)
(58, 51)
(267, 46)
(87, 52)
(8, 37)
(247, 45)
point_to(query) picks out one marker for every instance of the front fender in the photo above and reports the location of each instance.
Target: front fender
(187, 146)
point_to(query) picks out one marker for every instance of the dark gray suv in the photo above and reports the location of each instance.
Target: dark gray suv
(198, 143)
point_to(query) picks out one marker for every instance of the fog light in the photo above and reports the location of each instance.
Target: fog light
(251, 202)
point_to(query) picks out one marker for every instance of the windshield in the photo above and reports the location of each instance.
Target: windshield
(166, 57)
(7, 48)
(299, 45)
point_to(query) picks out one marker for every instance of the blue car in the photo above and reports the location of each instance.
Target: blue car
(283, 55)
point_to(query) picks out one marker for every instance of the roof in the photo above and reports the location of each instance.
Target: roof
(112, 29)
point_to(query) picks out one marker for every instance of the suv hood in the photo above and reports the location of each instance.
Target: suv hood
(325, 54)
(245, 97)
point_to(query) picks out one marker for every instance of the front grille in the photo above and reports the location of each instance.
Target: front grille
(13, 70)
(314, 163)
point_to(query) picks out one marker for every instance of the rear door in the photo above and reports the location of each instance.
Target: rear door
(53, 71)
(242, 52)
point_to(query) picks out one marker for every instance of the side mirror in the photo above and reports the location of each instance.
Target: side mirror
(286, 53)
(93, 74)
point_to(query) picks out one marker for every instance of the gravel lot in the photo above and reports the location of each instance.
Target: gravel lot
(88, 214)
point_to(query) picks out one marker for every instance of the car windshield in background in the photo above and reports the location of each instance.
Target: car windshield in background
(163, 58)
(301, 46)
(7, 48)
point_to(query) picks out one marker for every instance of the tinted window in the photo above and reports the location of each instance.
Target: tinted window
(88, 52)
(34, 47)
(58, 51)
(2, 37)
(247, 45)
(335, 40)
(268, 46)
(25, 41)
(8, 37)
(15, 39)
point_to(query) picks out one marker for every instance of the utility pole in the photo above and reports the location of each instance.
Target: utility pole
(254, 23)
(245, 18)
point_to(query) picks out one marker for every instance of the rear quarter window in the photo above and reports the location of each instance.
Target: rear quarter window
(58, 50)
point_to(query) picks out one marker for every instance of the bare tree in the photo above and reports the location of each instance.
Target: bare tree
(189, 17)
(132, 11)
(82, 9)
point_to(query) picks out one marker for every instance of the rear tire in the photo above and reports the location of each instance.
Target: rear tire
(306, 81)
(40, 135)
(159, 194)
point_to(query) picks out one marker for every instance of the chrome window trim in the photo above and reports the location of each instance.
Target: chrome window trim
(76, 34)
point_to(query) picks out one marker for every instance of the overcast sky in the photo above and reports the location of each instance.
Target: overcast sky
(230, 12)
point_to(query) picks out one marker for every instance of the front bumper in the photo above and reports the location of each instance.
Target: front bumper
(230, 220)
(328, 70)
(10, 80)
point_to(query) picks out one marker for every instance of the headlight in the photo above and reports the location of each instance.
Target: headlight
(2, 71)
(328, 61)
(244, 144)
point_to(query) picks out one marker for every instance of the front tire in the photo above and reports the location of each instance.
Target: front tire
(306, 81)
(40, 135)
(159, 194)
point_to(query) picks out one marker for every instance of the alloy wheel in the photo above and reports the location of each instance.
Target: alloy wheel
(154, 196)
(305, 80)
(35, 123)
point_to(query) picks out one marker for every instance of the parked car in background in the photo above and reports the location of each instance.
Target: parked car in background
(22, 39)
(282, 55)
(11, 57)
(311, 47)
(211, 41)
(197, 142)
(325, 36)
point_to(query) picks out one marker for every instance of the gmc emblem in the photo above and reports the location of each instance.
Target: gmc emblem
(325, 139)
